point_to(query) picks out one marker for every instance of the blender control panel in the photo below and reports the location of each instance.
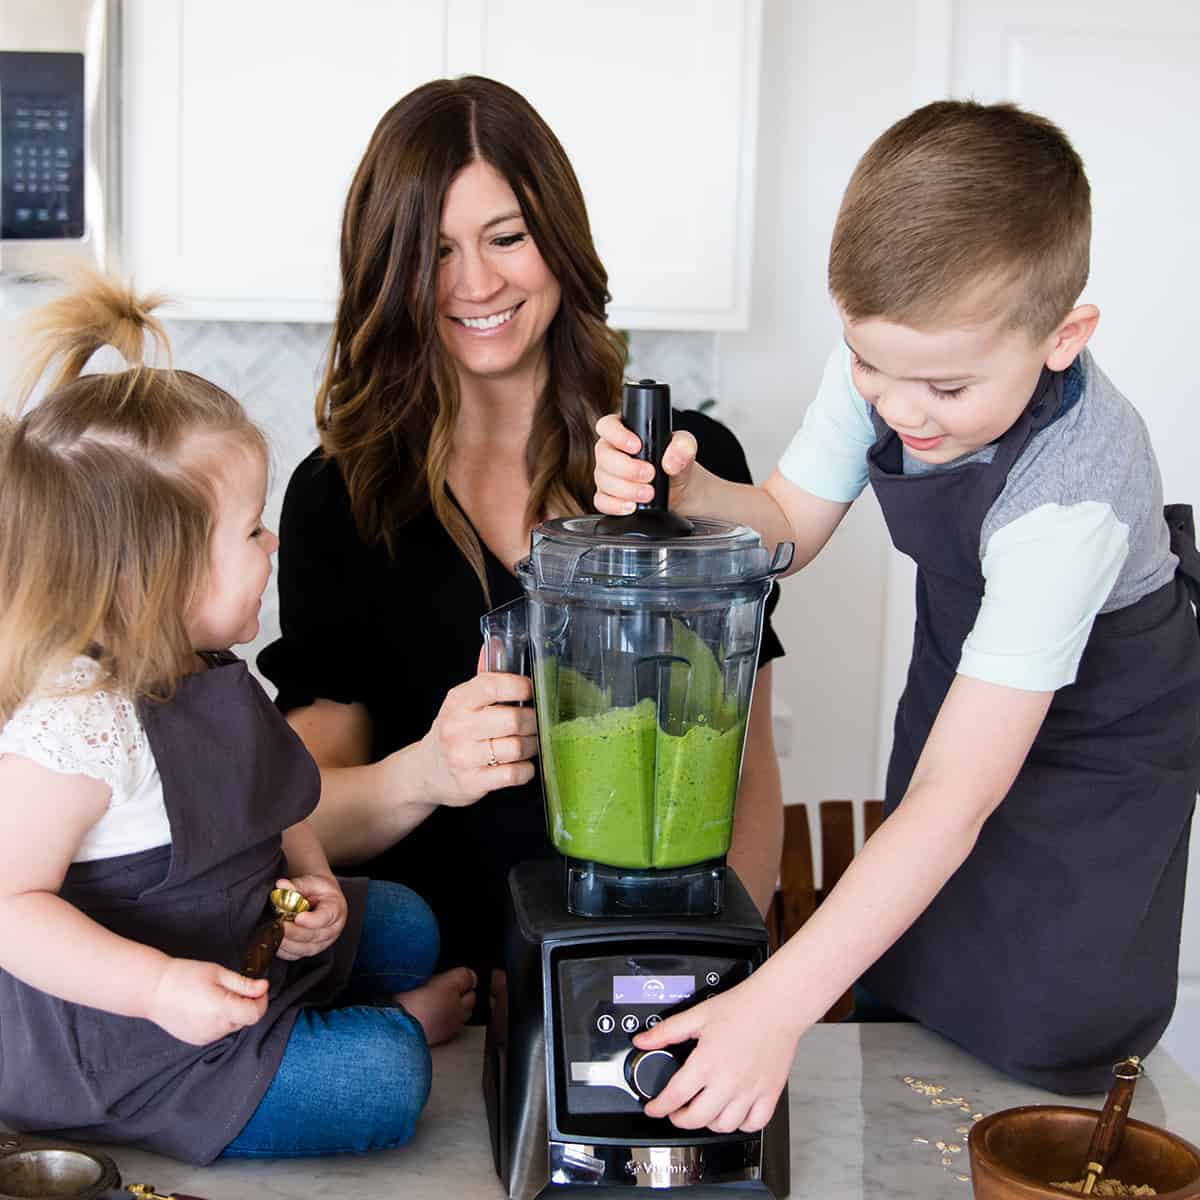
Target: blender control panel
(603, 1002)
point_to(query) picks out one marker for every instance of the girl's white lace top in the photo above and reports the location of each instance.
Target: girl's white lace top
(71, 728)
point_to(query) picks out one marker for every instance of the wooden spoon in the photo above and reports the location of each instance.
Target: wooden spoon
(1110, 1128)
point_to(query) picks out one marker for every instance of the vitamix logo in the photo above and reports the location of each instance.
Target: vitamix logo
(645, 1168)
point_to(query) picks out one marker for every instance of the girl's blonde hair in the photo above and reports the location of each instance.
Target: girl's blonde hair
(106, 505)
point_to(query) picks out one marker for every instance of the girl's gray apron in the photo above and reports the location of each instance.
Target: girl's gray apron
(234, 776)
(1053, 950)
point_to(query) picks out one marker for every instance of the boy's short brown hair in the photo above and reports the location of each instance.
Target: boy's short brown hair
(960, 198)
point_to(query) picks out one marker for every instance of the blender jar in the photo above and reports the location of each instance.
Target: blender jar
(644, 652)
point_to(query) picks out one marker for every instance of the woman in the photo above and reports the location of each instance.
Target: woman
(469, 365)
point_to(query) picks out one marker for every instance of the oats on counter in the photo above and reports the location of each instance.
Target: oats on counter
(946, 1151)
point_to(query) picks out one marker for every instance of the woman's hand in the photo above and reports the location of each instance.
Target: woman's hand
(482, 739)
(623, 482)
(202, 1002)
(733, 1078)
(319, 927)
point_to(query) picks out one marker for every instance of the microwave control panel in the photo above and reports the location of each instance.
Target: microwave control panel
(41, 144)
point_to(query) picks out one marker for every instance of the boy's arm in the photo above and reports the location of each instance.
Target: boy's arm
(779, 510)
(747, 1037)
(52, 946)
(825, 465)
(811, 520)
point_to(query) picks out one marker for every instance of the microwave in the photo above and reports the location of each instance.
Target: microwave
(59, 116)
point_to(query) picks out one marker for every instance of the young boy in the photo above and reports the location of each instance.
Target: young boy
(1024, 895)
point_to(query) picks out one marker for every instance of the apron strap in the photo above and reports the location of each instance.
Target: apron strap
(1182, 525)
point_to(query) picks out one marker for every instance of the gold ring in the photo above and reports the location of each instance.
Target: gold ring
(493, 761)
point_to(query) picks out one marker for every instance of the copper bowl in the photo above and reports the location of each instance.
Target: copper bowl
(1017, 1152)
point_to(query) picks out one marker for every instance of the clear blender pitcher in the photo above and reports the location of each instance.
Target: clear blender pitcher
(643, 635)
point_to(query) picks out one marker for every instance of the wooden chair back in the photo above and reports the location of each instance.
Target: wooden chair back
(798, 896)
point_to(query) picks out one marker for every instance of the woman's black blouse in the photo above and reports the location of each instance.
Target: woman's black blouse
(396, 635)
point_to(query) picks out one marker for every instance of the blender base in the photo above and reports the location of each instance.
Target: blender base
(597, 890)
(563, 1114)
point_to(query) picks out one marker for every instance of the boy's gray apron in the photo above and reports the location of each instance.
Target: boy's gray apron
(234, 776)
(1053, 950)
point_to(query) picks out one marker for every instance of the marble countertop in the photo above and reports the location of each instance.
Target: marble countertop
(856, 1126)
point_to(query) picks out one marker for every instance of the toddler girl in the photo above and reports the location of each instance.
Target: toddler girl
(151, 796)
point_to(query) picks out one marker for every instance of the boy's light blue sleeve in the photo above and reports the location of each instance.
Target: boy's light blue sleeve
(1046, 576)
(828, 455)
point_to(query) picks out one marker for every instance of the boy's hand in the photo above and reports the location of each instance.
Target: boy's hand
(314, 930)
(202, 1002)
(733, 1078)
(623, 482)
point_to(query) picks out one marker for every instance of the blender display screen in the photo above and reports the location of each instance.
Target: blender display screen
(652, 989)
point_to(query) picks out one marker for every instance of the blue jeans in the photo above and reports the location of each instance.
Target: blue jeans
(355, 1078)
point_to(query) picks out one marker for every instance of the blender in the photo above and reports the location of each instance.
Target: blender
(642, 635)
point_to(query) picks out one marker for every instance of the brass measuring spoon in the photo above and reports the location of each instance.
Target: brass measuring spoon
(1110, 1128)
(287, 904)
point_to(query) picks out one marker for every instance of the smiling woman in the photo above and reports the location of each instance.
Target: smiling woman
(471, 359)
(496, 296)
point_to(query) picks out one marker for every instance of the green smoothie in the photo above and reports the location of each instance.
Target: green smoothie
(599, 775)
(696, 780)
(621, 791)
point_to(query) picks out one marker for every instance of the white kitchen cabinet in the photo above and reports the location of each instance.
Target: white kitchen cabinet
(243, 123)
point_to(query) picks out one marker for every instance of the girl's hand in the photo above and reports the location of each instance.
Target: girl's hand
(482, 739)
(319, 927)
(202, 1002)
(733, 1078)
(623, 482)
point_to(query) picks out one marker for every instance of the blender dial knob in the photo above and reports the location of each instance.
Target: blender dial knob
(649, 1071)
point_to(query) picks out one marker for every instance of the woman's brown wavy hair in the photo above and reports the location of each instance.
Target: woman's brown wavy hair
(106, 504)
(387, 405)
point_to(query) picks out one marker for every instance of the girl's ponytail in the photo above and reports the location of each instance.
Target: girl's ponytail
(65, 333)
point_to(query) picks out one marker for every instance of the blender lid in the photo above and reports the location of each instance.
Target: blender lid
(570, 551)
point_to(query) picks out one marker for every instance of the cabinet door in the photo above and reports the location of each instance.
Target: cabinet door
(657, 108)
(243, 123)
